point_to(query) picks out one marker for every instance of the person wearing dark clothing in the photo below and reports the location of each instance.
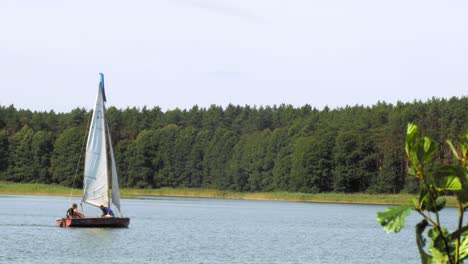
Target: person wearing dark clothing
(73, 212)
(106, 211)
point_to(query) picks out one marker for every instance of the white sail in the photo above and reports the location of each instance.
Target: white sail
(96, 182)
(115, 180)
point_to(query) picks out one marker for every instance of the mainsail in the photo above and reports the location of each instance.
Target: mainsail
(96, 173)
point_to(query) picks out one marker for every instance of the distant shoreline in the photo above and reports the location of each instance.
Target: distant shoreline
(8, 188)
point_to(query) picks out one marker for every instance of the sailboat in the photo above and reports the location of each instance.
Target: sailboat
(101, 185)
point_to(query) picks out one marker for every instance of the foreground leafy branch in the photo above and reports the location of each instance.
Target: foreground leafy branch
(445, 247)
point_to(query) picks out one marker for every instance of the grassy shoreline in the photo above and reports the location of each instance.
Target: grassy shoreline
(8, 188)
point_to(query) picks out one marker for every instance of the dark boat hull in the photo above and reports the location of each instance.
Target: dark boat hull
(94, 222)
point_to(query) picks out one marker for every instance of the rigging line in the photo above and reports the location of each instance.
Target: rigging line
(79, 160)
(106, 133)
(82, 210)
(110, 144)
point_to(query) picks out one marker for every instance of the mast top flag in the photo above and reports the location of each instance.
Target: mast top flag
(101, 85)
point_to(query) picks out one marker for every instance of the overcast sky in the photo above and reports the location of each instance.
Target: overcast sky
(180, 53)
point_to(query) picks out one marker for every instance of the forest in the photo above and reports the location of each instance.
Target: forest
(240, 148)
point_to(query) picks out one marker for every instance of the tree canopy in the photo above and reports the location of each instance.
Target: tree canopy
(242, 148)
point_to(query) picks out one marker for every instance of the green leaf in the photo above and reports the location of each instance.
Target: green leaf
(453, 149)
(393, 219)
(452, 178)
(462, 196)
(425, 199)
(440, 203)
(430, 149)
(414, 156)
(437, 246)
(449, 183)
(411, 134)
(412, 131)
(415, 203)
(439, 257)
(449, 170)
(464, 247)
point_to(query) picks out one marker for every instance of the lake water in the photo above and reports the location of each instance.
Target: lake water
(191, 230)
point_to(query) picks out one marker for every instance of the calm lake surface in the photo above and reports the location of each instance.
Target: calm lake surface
(191, 230)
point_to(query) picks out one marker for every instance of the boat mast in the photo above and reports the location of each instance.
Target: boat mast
(106, 131)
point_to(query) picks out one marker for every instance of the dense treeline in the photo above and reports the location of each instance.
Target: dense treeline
(241, 148)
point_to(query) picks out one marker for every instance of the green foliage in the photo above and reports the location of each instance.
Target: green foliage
(449, 183)
(41, 148)
(393, 219)
(438, 246)
(65, 160)
(354, 149)
(354, 161)
(20, 163)
(436, 180)
(464, 246)
(217, 155)
(3, 153)
(141, 165)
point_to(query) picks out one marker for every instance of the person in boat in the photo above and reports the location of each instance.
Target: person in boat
(73, 212)
(106, 211)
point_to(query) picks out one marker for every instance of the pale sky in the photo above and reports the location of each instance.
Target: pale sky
(180, 53)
